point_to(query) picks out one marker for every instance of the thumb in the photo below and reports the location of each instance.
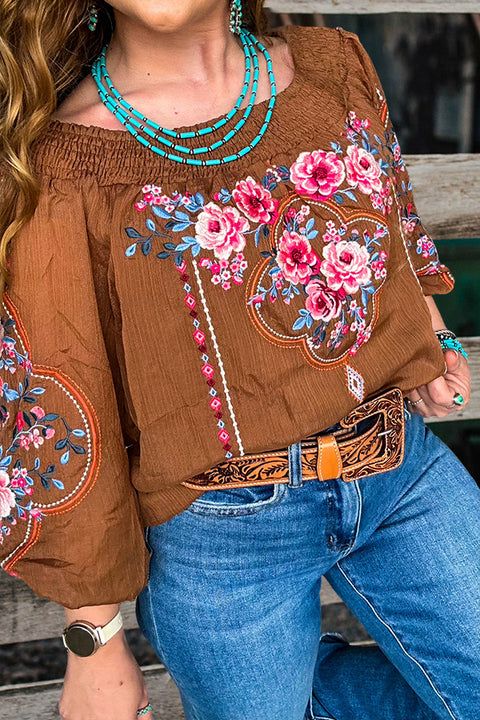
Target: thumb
(452, 360)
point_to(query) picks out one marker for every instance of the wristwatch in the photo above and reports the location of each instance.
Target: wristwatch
(83, 638)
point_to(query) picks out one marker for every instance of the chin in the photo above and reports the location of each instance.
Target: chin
(165, 19)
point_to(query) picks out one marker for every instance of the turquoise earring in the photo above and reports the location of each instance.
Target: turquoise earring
(235, 16)
(92, 17)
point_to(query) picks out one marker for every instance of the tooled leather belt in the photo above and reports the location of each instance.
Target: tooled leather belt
(348, 453)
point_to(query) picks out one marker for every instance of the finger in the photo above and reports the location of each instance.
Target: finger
(452, 360)
(439, 392)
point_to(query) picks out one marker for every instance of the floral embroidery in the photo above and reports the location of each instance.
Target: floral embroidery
(33, 427)
(322, 241)
(26, 480)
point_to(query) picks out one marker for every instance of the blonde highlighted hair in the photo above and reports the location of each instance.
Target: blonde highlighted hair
(45, 50)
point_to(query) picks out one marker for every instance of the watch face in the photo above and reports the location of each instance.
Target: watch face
(80, 641)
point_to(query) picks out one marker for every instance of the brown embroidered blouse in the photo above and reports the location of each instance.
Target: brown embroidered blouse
(162, 318)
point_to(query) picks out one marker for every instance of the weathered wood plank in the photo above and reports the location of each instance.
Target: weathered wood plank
(39, 701)
(358, 7)
(446, 193)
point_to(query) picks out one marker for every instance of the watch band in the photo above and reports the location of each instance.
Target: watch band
(106, 632)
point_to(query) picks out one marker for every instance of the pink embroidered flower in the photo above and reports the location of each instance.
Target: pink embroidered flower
(346, 265)
(7, 498)
(49, 432)
(363, 170)
(317, 174)
(255, 201)
(25, 441)
(322, 303)
(221, 230)
(37, 439)
(38, 411)
(296, 257)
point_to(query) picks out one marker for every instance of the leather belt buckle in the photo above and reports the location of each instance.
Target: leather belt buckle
(344, 453)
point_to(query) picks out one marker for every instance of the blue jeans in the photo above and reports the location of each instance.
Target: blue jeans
(232, 605)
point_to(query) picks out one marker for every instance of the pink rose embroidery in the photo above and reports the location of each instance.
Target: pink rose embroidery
(363, 170)
(7, 498)
(346, 265)
(221, 230)
(296, 257)
(322, 303)
(255, 201)
(317, 174)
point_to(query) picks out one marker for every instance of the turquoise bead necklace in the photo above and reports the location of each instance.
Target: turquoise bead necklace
(139, 125)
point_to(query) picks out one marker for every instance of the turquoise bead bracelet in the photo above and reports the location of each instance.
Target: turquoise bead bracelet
(448, 341)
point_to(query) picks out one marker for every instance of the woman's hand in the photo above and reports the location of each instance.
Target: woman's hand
(108, 685)
(437, 396)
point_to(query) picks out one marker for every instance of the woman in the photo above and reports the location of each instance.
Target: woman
(228, 354)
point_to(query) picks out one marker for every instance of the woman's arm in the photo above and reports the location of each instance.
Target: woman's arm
(107, 685)
(437, 395)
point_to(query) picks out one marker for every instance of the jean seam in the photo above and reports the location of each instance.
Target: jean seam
(397, 640)
(203, 507)
(312, 715)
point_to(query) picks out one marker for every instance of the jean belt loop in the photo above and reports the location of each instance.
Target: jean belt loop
(295, 465)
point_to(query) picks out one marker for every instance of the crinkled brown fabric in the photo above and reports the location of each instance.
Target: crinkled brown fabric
(130, 363)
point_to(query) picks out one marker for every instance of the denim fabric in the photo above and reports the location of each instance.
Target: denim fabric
(232, 605)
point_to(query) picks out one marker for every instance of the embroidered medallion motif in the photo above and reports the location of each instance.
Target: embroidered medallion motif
(34, 481)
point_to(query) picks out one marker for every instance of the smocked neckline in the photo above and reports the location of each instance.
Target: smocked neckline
(98, 131)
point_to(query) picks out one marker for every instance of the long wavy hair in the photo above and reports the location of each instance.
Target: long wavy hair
(45, 50)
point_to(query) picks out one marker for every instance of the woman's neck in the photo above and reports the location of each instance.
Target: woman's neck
(203, 54)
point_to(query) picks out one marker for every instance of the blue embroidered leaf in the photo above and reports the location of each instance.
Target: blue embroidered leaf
(364, 297)
(169, 246)
(180, 227)
(312, 235)
(377, 139)
(183, 246)
(163, 255)
(257, 236)
(374, 257)
(27, 418)
(65, 457)
(50, 416)
(350, 195)
(170, 224)
(370, 289)
(178, 260)
(366, 145)
(196, 249)
(150, 225)
(10, 394)
(37, 463)
(299, 323)
(60, 444)
(45, 482)
(160, 212)
(265, 231)
(310, 224)
(322, 336)
(284, 172)
(37, 391)
(199, 199)
(78, 449)
(182, 216)
(274, 270)
(189, 240)
(20, 387)
(295, 289)
(132, 233)
(338, 198)
(19, 491)
(131, 250)
(58, 484)
(374, 151)
(78, 433)
(365, 134)
(309, 321)
(5, 462)
(146, 247)
(266, 254)
(50, 469)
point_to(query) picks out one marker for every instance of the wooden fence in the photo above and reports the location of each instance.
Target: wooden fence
(447, 196)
